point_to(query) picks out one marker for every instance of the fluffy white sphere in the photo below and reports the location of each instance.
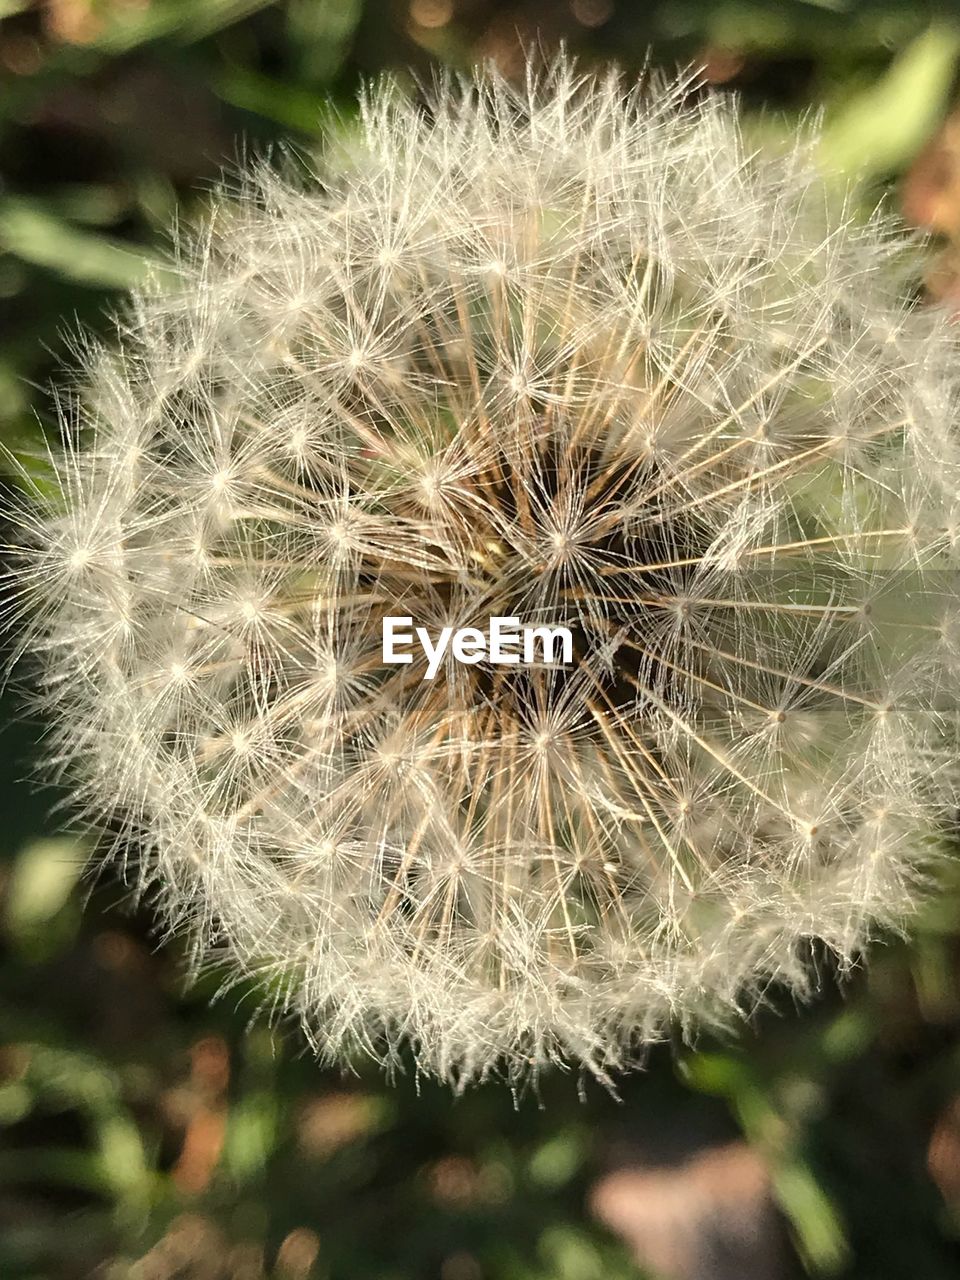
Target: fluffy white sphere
(566, 353)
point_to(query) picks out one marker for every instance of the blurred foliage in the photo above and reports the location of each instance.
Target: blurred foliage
(147, 1133)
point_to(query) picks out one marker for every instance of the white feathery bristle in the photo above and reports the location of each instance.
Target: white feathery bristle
(567, 352)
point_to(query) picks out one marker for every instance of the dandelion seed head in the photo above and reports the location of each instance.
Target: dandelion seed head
(570, 353)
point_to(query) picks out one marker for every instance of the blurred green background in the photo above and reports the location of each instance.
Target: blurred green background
(145, 1132)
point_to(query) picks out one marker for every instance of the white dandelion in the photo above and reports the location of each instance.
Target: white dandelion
(568, 354)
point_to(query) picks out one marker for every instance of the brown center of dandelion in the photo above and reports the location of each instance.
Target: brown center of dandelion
(558, 537)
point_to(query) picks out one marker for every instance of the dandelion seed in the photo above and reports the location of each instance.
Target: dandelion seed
(569, 354)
